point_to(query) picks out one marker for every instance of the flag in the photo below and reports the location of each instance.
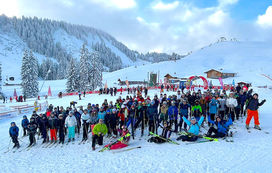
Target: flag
(15, 93)
(106, 85)
(49, 91)
(221, 82)
(127, 83)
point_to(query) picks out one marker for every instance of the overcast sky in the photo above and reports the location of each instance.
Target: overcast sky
(158, 25)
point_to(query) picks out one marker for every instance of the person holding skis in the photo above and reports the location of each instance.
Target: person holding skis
(32, 129)
(25, 123)
(14, 133)
(99, 130)
(222, 127)
(70, 123)
(193, 131)
(252, 111)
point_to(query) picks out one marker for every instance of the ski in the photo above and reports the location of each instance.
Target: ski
(167, 140)
(108, 147)
(201, 136)
(127, 149)
(197, 142)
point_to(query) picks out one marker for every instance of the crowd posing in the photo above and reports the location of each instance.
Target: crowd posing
(180, 112)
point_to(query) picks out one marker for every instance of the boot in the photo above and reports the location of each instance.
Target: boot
(73, 139)
(247, 127)
(93, 148)
(257, 127)
(69, 140)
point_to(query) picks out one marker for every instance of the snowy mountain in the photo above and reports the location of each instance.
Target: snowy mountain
(55, 43)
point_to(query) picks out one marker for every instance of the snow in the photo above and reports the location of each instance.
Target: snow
(250, 152)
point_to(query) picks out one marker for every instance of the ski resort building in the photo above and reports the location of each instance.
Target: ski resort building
(215, 74)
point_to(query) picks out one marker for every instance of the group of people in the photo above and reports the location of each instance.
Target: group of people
(173, 113)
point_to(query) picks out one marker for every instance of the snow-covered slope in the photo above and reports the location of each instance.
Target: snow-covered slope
(248, 59)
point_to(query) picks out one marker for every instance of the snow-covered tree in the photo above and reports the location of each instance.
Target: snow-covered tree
(0, 77)
(85, 67)
(72, 84)
(96, 71)
(29, 75)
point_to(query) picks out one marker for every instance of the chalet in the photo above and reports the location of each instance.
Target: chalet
(171, 79)
(215, 74)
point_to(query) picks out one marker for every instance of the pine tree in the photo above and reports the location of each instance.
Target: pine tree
(29, 75)
(96, 71)
(72, 84)
(84, 68)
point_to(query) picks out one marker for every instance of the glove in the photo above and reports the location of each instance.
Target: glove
(264, 100)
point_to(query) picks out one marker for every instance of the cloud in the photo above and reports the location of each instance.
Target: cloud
(227, 2)
(166, 6)
(120, 4)
(265, 20)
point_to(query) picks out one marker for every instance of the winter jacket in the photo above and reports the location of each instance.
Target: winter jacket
(231, 103)
(196, 110)
(222, 127)
(193, 128)
(243, 98)
(32, 128)
(100, 128)
(85, 118)
(53, 122)
(173, 112)
(61, 124)
(254, 104)
(43, 124)
(152, 112)
(14, 131)
(25, 122)
(121, 116)
(70, 121)
(93, 119)
(213, 105)
(183, 109)
(101, 115)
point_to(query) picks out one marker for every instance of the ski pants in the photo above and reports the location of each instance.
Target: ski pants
(187, 138)
(85, 130)
(61, 134)
(71, 132)
(151, 126)
(15, 140)
(250, 114)
(216, 133)
(53, 134)
(212, 118)
(24, 129)
(156, 140)
(32, 138)
(99, 140)
(44, 133)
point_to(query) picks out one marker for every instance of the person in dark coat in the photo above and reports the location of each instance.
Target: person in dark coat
(44, 125)
(32, 129)
(25, 123)
(61, 128)
(14, 133)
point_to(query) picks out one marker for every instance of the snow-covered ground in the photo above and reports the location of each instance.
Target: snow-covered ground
(250, 152)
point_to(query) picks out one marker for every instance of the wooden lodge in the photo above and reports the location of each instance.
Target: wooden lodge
(215, 74)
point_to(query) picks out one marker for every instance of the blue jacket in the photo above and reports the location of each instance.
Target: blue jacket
(243, 98)
(222, 127)
(101, 115)
(194, 128)
(213, 106)
(173, 112)
(25, 123)
(183, 109)
(152, 112)
(14, 131)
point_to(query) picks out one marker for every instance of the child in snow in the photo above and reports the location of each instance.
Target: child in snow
(14, 133)
(25, 123)
(70, 123)
(222, 127)
(166, 133)
(32, 129)
(252, 111)
(194, 127)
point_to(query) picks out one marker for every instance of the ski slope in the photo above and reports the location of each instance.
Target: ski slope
(250, 152)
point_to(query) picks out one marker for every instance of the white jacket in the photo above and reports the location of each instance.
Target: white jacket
(70, 121)
(231, 102)
(85, 117)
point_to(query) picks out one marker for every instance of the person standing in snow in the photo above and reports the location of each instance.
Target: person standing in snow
(14, 133)
(85, 120)
(70, 123)
(53, 124)
(213, 108)
(25, 123)
(32, 129)
(61, 128)
(252, 111)
(231, 104)
(99, 130)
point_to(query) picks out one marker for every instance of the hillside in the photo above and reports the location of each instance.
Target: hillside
(55, 43)
(248, 59)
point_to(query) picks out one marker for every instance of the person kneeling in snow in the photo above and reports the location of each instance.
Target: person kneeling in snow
(166, 133)
(99, 130)
(193, 131)
(222, 127)
(124, 142)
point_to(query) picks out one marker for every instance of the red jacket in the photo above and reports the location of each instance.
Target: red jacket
(122, 116)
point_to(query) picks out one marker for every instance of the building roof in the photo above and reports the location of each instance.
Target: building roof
(220, 71)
